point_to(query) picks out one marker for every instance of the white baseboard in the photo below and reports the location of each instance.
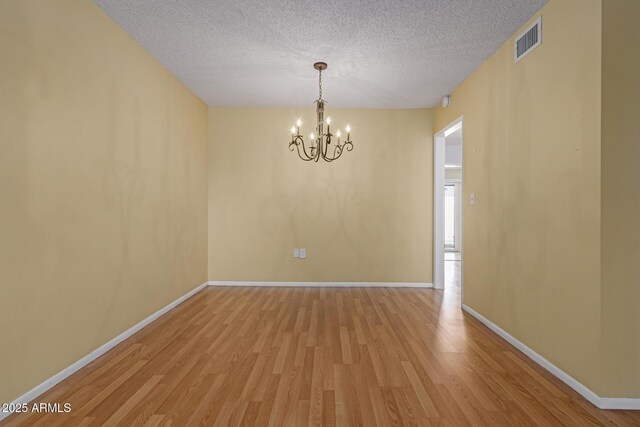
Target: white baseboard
(46, 385)
(325, 284)
(599, 402)
(629, 404)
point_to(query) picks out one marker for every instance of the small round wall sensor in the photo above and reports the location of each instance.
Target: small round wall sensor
(446, 101)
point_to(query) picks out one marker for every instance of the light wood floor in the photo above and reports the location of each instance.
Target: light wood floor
(318, 356)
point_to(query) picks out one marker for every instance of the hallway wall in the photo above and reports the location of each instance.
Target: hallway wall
(621, 197)
(532, 241)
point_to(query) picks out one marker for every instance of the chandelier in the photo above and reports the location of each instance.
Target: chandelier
(322, 146)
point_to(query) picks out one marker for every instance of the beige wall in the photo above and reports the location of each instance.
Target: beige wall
(366, 217)
(103, 184)
(532, 241)
(621, 197)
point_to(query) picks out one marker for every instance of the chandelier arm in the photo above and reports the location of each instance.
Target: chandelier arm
(337, 149)
(325, 146)
(297, 142)
(315, 151)
(313, 155)
(331, 159)
(329, 136)
(348, 145)
(336, 156)
(306, 159)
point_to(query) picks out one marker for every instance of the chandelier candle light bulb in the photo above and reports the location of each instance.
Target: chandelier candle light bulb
(319, 147)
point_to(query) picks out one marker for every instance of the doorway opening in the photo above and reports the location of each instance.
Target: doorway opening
(452, 217)
(448, 207)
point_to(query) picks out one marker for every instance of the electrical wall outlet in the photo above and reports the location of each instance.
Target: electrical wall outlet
(303, 253)
(472, 199)
(296, 253)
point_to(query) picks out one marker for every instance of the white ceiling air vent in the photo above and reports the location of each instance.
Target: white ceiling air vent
(530, 39)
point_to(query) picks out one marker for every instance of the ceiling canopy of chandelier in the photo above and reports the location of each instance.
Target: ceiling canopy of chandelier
(323, 146)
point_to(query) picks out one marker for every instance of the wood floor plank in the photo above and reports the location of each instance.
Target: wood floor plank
(317, 357)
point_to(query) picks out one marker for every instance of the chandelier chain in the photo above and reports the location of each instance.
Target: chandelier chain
(320, 83)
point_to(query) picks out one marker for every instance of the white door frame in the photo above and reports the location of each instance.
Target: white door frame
(438, 204)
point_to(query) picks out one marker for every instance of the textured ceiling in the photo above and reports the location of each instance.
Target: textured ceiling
(381, 53)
